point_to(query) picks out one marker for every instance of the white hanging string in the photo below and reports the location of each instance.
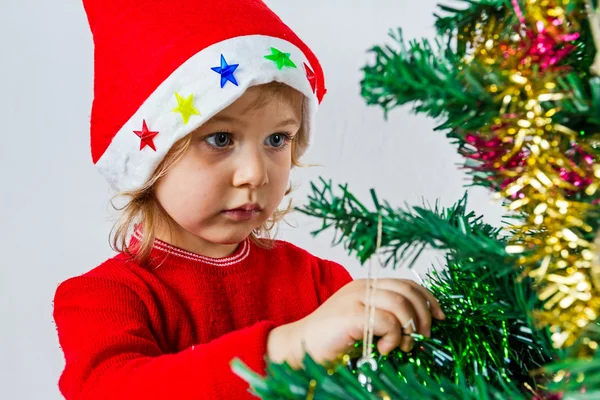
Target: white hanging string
(370, 291)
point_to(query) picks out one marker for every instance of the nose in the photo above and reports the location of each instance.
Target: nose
(251, 169)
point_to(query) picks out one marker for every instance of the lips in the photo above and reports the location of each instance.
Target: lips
(243, 213)
(247, 207)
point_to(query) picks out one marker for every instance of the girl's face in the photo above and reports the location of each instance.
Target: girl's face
(235, 172)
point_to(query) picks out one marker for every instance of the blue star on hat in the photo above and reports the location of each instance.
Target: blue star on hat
(226, 72)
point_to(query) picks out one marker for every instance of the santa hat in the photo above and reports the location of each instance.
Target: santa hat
(162, 68)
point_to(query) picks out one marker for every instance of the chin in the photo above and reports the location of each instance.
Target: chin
(224, 232)
(228, 236)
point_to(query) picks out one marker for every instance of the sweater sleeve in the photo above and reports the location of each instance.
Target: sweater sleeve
(332, 278)
(111, 353)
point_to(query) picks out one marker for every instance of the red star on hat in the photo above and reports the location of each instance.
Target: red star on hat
(312, 78)
(147, 136)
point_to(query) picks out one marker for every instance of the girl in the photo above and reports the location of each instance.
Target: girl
(201, 109)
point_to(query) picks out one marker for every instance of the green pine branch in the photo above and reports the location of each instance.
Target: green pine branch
(404, 232)
(405, 383)
(434, 80)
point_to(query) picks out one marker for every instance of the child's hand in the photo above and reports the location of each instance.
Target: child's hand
(401, 306)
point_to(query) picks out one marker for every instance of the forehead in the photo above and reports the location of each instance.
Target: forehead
(274, 97)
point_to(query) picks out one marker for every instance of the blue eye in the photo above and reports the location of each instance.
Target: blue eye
(278, 140)
(219, 140)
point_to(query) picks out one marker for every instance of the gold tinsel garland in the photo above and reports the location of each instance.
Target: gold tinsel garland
(539, 170)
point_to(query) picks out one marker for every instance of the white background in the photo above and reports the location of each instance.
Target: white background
(54, 210)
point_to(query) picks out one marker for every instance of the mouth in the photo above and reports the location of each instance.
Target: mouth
(247, 207)
(243, 213)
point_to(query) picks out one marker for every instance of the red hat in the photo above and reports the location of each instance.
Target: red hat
(162, 68)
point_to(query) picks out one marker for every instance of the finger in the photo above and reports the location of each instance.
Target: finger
(388, 328)
(436, 309)
(385, 325)
(397, 285)
(402, 309)
(419, 303)
(408, 327)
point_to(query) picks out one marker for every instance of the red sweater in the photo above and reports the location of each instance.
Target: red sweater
(169, 331)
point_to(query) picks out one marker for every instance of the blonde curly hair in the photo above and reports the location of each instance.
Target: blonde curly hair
(142, 207)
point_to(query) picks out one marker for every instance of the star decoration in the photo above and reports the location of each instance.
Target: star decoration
(185, 107)
(312, 78)
(280, 58)
(226, 72)
(147, 137)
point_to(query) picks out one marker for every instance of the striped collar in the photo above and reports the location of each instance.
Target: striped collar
(241, 253)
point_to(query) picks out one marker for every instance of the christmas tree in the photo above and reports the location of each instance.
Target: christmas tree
(515, 86)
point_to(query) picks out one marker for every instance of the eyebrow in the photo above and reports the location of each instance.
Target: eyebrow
(225, 118)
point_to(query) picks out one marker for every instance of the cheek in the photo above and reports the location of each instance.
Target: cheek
(280, 172)
(188, 192)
